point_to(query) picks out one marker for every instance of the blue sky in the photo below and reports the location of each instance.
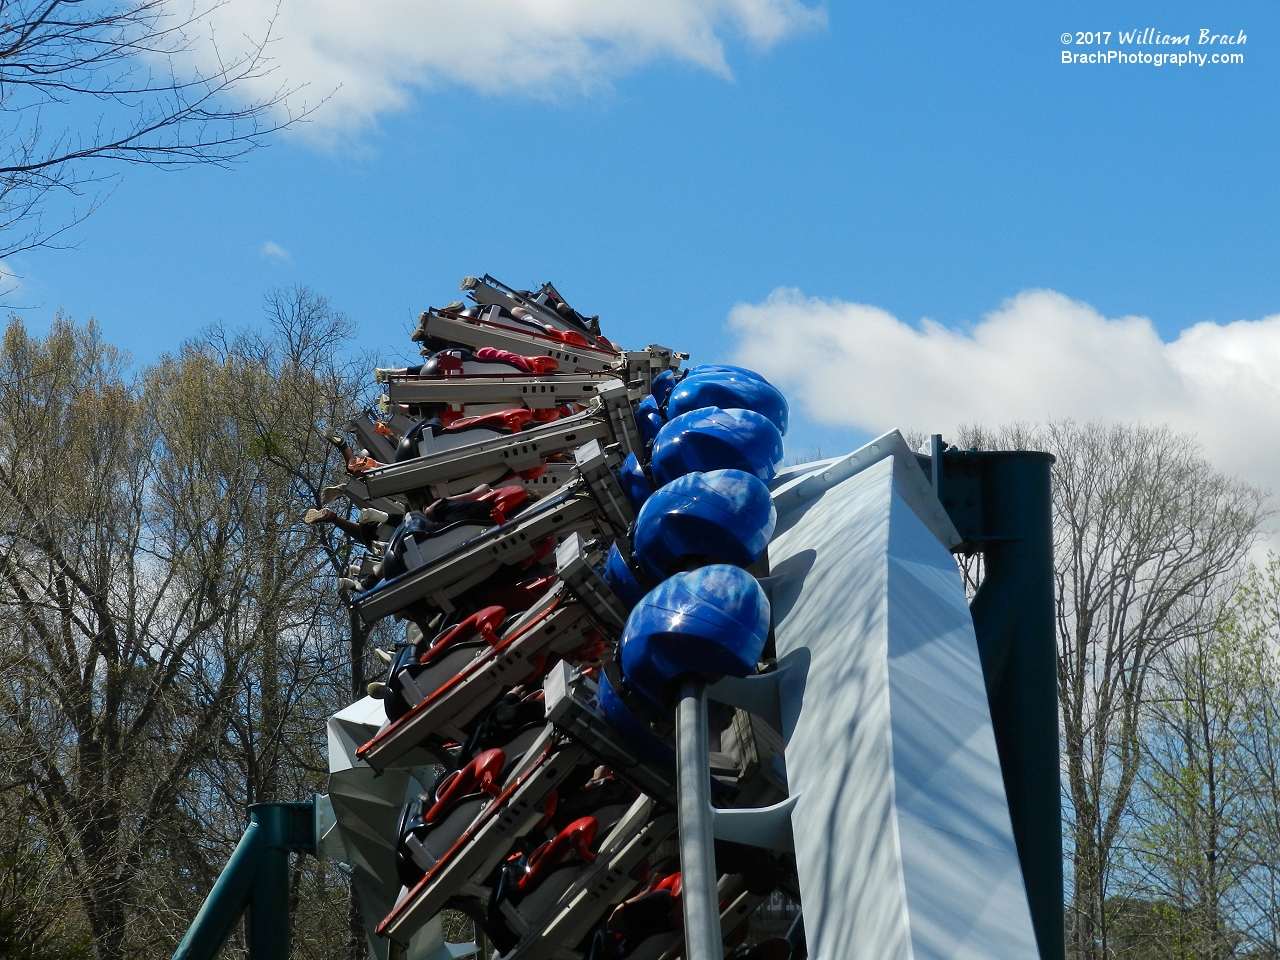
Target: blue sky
(928, 160)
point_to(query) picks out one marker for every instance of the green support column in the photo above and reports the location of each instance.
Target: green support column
(256, 878)
(226, 901)
(1001, 503)
(286, 827)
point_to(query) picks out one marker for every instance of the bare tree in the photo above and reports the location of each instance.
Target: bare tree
(1193, 798)
(304, 388)
(115, 681)
(1253, 633)
(86, 84)
(166, 619)
(1147, 534)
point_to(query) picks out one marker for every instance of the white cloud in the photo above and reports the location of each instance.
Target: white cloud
(272, 249)
(1040, 355)
(375, 55)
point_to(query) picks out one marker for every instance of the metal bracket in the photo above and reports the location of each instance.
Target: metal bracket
(615, 399)
(571, 706)
(576, 568)
(554, 477)
(642, 366)
(596, 465)
(768, 827)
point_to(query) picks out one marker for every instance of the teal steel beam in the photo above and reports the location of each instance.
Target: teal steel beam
(226, 901)
(256, 878)
(1001, 503)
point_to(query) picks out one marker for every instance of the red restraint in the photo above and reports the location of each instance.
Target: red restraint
(592, 648)
(512, 420)
(478, 776)
(483, 622)
(502, 501)
(522, 595)
(568, 336)
(447, 363)
(671, 883)
(534, 365)
(541, 365)
(548, 809)
(573, 840)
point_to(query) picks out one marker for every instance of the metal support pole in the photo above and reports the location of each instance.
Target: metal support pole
(795, 937)
(256, 877)
(1002, 503)
(698, 876)
(268, 921)
(222, 908)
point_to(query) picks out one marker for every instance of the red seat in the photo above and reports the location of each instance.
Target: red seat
(478, 776)
(483, 623)
(575, 840)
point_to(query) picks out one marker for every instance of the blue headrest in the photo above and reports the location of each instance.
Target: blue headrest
(620, 578)
(729, 391)
(702, 368)
(715, 439)
(724, 515)
(662, 385)
(633, 482)
(711, 620)
(649, 419)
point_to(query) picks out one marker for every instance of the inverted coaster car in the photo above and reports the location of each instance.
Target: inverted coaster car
(432, 823)
(448, 523)
(432, 435)
(420, 669)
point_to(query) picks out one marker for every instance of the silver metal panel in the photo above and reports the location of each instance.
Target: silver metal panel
(798, 485)
(513, 391)
(367, 810)
(901, 827)
(550, 481)
(518, 451)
